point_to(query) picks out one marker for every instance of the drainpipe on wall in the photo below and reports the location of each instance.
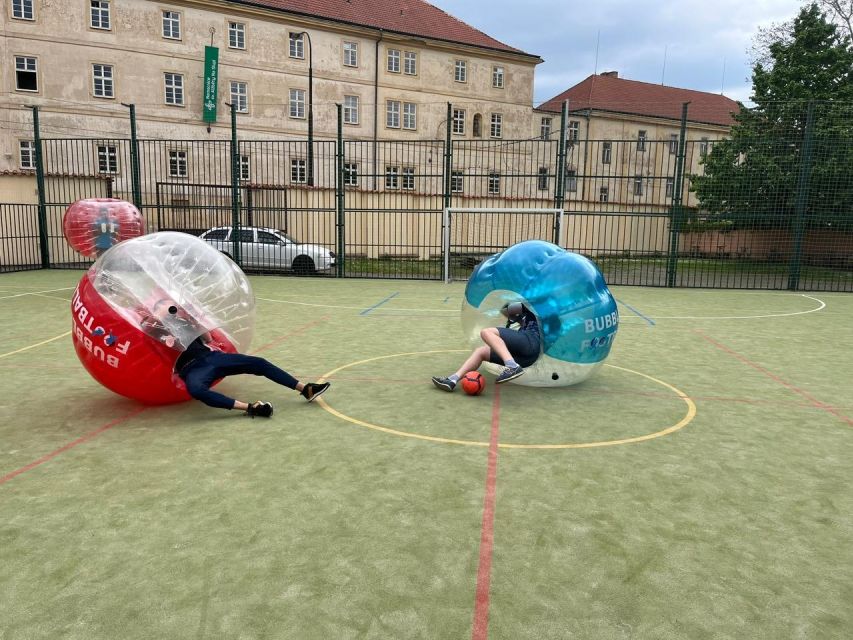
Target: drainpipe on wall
(376, 109)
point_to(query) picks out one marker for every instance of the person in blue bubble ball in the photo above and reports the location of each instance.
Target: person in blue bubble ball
(561, 319)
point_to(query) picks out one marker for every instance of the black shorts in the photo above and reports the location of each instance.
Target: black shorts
(523, 346)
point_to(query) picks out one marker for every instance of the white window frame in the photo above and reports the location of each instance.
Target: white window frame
(606, 152)
(392, 114)
(642, 138)
(351, 110)
(639, 187)
(496, 126)
(703, 147)
(604, 193)
(27, 154)
(20, 9)
(458, 126)
(236, 35)
(494, 184)
(497, 76)
(103, 80)
(410, 116)
(298, 171)
(350, 50)
(460, 71)
(392, 177)
(573, 131)
(239, 93)
(408, 178)
(571, 180)
(545, 128)
(107, 159)
(669, 189)
(296, 104)
(99, 15)
(176, 86)
(410, 63)
(673, 143)
(542, 179)
(296, 45)
(457, 181)
(350, 174)
(392, 61)
(27, 64)
(178, 164)
(245, 168)
(171, 24)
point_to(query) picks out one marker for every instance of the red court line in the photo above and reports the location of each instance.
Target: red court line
(480, 629)
(117, 421)
(814, 401)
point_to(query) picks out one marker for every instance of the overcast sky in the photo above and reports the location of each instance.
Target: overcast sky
(699, 37)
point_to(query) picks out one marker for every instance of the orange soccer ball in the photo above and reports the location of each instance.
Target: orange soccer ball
(473, 383)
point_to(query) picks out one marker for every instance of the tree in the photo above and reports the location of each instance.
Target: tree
(753, 177)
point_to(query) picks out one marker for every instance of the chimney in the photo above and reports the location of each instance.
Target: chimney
(610, 74)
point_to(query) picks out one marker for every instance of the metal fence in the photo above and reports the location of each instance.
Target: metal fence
(770, 210)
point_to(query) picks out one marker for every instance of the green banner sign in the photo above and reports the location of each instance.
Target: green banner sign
(211, 75)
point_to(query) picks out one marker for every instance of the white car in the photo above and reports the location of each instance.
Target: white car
(262, 248)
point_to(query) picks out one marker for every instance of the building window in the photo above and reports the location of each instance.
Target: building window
(240, 96)
(23, 9)
(542, 182)
(99, 12)
(545, 129)
(297, 46)
(350, 54)
(102, 81)
(350, 109)
(392, 114)
(26, 74)
(297, 103)
(236, 35)
(298, 171)
(28, 154)
(497, 126)
(703, 147)
(641, 140)
(498, 77)
(392, 177)
(409, 178)
(245, 167)
(494, 183)
(459, 121)
(603, 194)
(571, 180)
(172, 25)
(573, 133)
(460, 73)
(174, 88)
(638, 185)
(107, 159)
(606, 151)
(177, 163)
(457, 181)
(478, 125)
(350, 174)
(670, 185)
(673, 143)
(393, 64)
(410, 63)
(410, 115)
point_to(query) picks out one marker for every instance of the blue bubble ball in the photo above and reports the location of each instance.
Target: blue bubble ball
(577, 313)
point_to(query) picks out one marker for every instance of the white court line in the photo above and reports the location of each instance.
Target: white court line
(33, 293)
(33, 346)
(769, 315)
(41, 295)
(359, 308)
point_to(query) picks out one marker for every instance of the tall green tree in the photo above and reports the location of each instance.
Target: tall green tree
(754, 177)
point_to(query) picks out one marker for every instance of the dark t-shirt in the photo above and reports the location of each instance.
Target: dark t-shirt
(196, 349)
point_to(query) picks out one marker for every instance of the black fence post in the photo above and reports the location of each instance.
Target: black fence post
(42, 208)
(339, 193)
(135, 181)
(802, 199)
(560, 181)
(676, 214)
(235, 187)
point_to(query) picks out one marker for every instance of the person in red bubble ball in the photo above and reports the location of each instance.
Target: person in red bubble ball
(201, 363)
(514, 348)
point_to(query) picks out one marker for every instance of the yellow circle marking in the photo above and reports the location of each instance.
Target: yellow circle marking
(691, 413)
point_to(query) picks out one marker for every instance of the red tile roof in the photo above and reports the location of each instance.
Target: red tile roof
(610, 93)
(410, 17)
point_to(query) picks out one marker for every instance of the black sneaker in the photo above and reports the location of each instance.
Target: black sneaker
(262, 409)
(509, 373)
(445, 384)
(313, 389)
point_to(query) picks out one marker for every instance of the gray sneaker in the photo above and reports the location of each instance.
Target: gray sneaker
(509, 373)
(445, 384)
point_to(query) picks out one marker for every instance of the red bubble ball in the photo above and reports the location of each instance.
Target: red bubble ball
(93, 225)
(473, 383)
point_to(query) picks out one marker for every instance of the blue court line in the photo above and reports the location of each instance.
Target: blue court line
(646, 318)
(380, 303)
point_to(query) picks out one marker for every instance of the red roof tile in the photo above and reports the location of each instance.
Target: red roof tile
(609, 93)
(410, 17)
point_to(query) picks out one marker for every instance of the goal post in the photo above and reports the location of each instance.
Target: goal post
(470, 234)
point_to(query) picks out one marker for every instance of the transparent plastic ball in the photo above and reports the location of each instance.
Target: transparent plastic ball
(577, 314)
(93, 225)
(146, 300)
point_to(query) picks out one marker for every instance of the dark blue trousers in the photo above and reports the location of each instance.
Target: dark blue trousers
(202, 372)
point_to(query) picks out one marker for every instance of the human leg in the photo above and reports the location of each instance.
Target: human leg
(471, 364)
